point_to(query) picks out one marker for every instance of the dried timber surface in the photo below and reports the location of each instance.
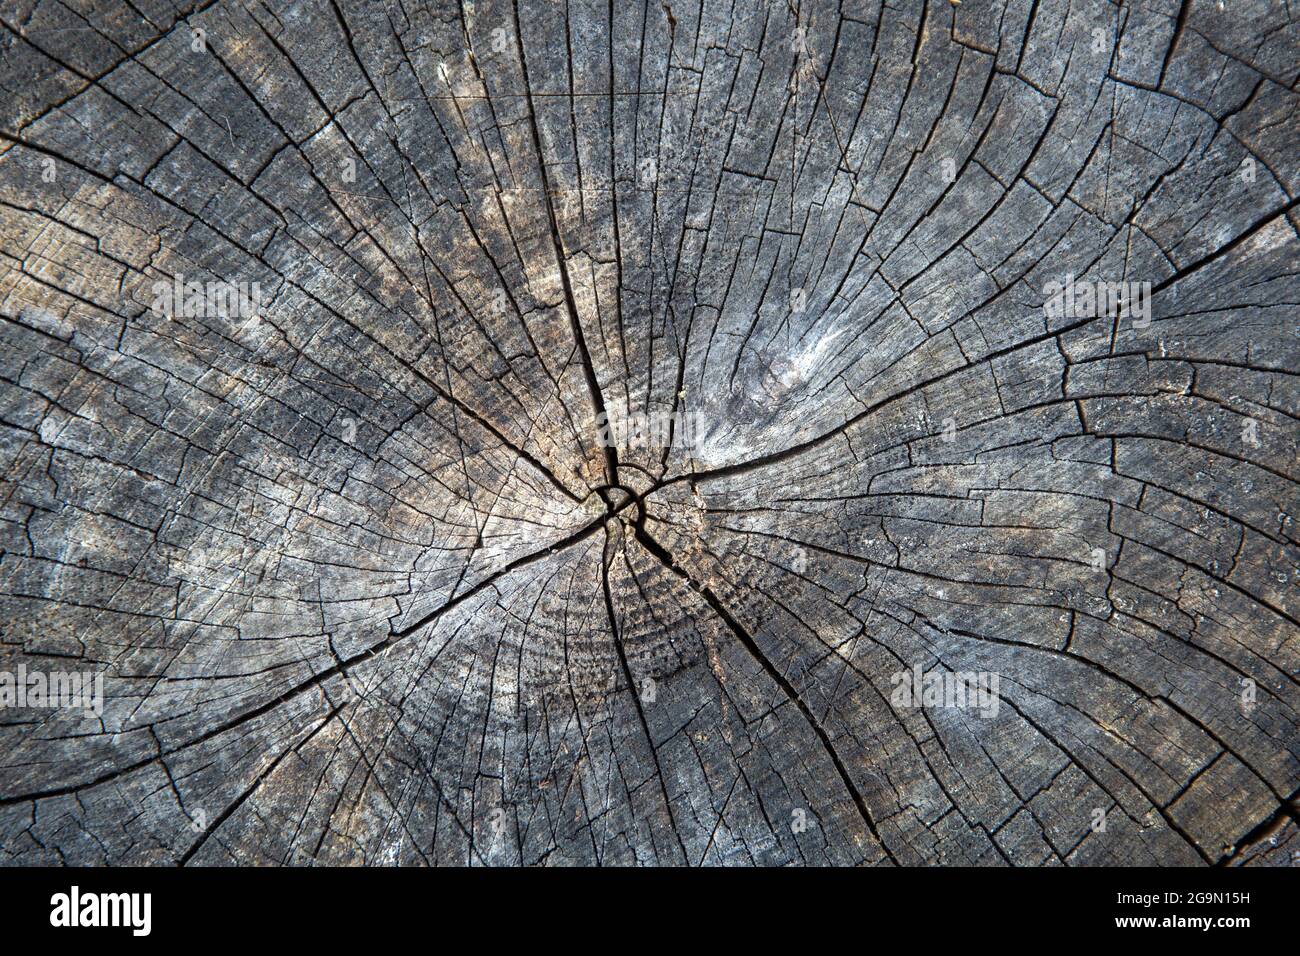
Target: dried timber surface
(363, 583)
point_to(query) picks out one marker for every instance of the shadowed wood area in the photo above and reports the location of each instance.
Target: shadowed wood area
(696, 432)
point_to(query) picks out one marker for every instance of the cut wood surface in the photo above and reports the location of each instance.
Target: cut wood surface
(692, 432)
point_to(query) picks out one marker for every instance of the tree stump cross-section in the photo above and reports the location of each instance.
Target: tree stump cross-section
(525, 432)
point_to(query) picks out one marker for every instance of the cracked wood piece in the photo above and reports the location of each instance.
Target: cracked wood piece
(626, 401)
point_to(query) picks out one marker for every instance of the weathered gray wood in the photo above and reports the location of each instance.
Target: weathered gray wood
(365, 586)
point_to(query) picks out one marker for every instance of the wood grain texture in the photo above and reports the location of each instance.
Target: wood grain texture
(366, 586)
